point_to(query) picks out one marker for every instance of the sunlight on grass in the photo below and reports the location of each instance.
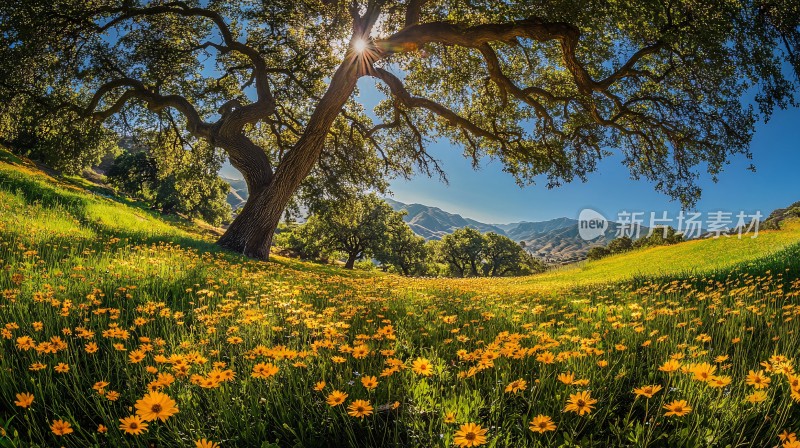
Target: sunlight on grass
(689, 258)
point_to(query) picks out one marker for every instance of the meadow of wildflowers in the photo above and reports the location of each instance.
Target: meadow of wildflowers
(119, 329)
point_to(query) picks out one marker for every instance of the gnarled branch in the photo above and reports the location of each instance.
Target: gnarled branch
(154, 100)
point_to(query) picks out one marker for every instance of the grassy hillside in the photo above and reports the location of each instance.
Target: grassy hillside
(108, 309)
(770, 249)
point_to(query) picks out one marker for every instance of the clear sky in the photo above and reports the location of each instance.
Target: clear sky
(490, 195)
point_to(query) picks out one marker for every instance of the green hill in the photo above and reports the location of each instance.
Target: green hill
(771, 249)
(109, 309)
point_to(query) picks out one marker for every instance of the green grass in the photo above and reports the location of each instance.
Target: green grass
(694, 257)
(80, 268)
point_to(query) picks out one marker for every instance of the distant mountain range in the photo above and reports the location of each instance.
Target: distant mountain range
(237, 195)
(555, 241)
(434, 223)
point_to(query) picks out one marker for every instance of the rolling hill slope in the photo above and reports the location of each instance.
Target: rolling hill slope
(778, 248)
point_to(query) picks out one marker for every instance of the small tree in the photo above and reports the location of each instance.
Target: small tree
(134, 173)
(621, 244)
(32, 129)
(531, 264)
(301, 240)
(659, 236)
(403, 249)
(597, 253)
(463, 251)
(184, 186)
(502, 255)
(356, 226)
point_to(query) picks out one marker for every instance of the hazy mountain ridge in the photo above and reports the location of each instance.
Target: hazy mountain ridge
(433, 223)
(555, 240)
(237, 195)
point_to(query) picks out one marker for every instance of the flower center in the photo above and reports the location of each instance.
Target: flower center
(470, 436)
(156, 408)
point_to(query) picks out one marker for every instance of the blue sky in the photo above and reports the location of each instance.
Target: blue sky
(490, 195)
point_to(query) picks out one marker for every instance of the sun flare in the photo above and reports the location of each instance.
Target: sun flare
(360, 45)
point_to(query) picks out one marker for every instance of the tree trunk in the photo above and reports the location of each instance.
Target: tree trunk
(474, 268)
(251, 232)
(351, 261)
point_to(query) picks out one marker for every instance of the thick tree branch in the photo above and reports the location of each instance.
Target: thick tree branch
(399, 91)
(416, 36)
(506, 85)
(413, 11)
(155, 102)
(265, 104)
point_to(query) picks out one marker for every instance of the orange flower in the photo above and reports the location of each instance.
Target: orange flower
(566, 378)
(24, 400)
(156, 405)
(678, 408)
(264, 370)
(670, 366)
(422, 366)
(516, 386)
(647, 391)
(132, 425)
(369, 382)
(580, 403)
(469, 435)
(336, 398)
(542, 423)
(61, 428)
(359, 408)
(703, 371)
(756, 397)
(759, 379)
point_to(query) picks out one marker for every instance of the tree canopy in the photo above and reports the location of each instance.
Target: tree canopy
(173, 181)
(548, 88)
(468, 253)
(403, 249)
(358, 227)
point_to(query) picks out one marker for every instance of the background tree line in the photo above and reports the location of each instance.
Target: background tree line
(658, 236)
(365, 228)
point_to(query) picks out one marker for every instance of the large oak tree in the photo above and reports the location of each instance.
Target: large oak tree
(547, 87)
